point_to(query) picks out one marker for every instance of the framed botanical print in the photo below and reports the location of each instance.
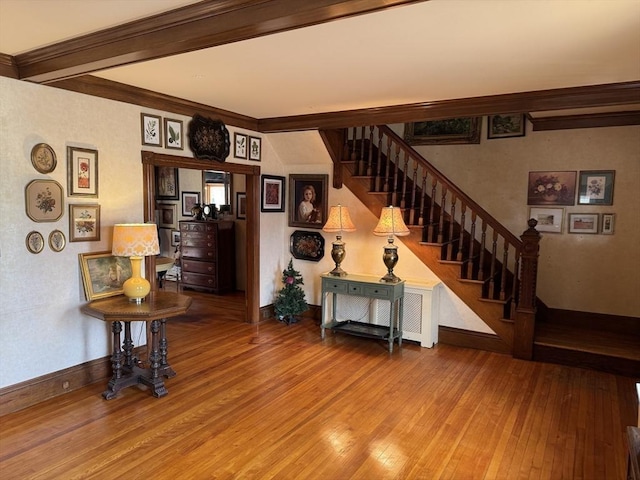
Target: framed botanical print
(255, 148)
(240, 145)
(151, 129)
(167, 183)
(57, 241)
(84, 222)
(44, 200)
(82, 172)
(34, 242)
(173, 134)
(596, 187)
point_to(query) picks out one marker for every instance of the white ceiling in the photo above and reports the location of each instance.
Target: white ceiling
(463, 48)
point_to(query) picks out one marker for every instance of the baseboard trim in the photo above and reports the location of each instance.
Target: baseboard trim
(470, 339)
(25, 394)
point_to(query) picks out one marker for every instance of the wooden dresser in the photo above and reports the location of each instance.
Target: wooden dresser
(208, 255)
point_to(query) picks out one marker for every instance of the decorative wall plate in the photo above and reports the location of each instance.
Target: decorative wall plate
(307, 245)
(43, 158)
(35, 242)
(208, 139)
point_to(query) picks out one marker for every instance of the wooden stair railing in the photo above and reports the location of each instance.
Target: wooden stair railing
(486, 252)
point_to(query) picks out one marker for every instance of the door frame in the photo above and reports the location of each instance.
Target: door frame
(152, 159)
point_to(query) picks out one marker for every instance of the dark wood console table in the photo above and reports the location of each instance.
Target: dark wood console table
(157, 307)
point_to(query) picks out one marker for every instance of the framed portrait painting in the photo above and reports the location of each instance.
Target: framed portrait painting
(596, 187)
(308, 200)
(272, 194)
(82, 172)
(103, 274)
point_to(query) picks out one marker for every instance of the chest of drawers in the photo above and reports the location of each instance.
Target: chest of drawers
(207, 255)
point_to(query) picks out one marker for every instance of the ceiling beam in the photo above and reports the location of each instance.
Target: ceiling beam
(544, 100)
(194, 27)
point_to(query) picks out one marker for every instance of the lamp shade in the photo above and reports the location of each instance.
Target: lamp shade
(391, 223)
(135, 240)
(339, 220)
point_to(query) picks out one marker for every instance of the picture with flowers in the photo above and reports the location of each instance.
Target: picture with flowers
(596, 187)
(82, 172)
(551, 188)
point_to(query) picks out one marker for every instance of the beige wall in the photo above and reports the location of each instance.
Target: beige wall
(593, 273)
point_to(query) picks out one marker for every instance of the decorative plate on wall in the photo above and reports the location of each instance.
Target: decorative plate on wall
(307, 245)
(208, 139)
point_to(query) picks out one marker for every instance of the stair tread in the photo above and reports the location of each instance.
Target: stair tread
(591, 341)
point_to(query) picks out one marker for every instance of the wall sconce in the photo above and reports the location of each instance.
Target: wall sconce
(390, 224)
(339, 221)
(135, 240)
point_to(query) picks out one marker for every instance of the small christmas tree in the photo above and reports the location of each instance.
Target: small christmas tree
(290, 300)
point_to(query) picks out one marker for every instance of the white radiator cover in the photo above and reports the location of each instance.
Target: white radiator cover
(420, 317)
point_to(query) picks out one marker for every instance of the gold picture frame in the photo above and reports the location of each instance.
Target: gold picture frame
(103, 274)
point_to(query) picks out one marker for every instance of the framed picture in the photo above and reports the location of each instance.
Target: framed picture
(583, 223)
(240, 145)
(272, 194)
(189, 200)
(82, 172)
(255, 148)
(103, 274)
(167, 215)
(57, 241)
(43, 158)
(506, 126)
(34, 242)
(175, 238)
(84, 222)
(173, 134)
(608, 222)
(308, 200)
(151, 126)
(596, 187)
(167, 183)
(241, 205)
(551, 188)
(44, 200)
(443, 132)
(549, 219)
(307, 245)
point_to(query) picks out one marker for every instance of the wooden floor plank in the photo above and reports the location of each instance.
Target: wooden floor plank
(276, 401)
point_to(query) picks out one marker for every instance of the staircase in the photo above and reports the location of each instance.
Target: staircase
(484, 264)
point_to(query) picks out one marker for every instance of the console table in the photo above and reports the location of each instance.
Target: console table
(368, 286)
(157, 307)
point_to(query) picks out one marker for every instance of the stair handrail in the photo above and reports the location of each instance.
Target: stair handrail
(482, 213)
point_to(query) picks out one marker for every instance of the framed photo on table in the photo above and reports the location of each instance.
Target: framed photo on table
(596, 187)
(103, 274)
(82, 172)
(308, 200)
(272, 193)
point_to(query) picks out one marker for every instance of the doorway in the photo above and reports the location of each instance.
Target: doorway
(252, 175)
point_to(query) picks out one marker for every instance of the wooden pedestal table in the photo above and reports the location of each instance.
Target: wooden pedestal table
(157, 308)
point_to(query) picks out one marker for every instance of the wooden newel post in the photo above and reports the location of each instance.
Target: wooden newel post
(526, 309)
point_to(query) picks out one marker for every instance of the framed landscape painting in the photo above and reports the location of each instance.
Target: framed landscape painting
(103, 274)
(443, 132)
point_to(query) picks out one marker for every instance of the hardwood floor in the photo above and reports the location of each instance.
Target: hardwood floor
(274, 401)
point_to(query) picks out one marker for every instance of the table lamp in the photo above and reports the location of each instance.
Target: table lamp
(135, 240)
(390, 224)
(339, 221)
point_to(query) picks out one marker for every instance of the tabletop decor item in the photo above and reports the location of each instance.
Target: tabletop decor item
(208, 138)
(390, 224)
(103, 274)
(136, 241)
(44, 200)
(43, 158)
(339, 221)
